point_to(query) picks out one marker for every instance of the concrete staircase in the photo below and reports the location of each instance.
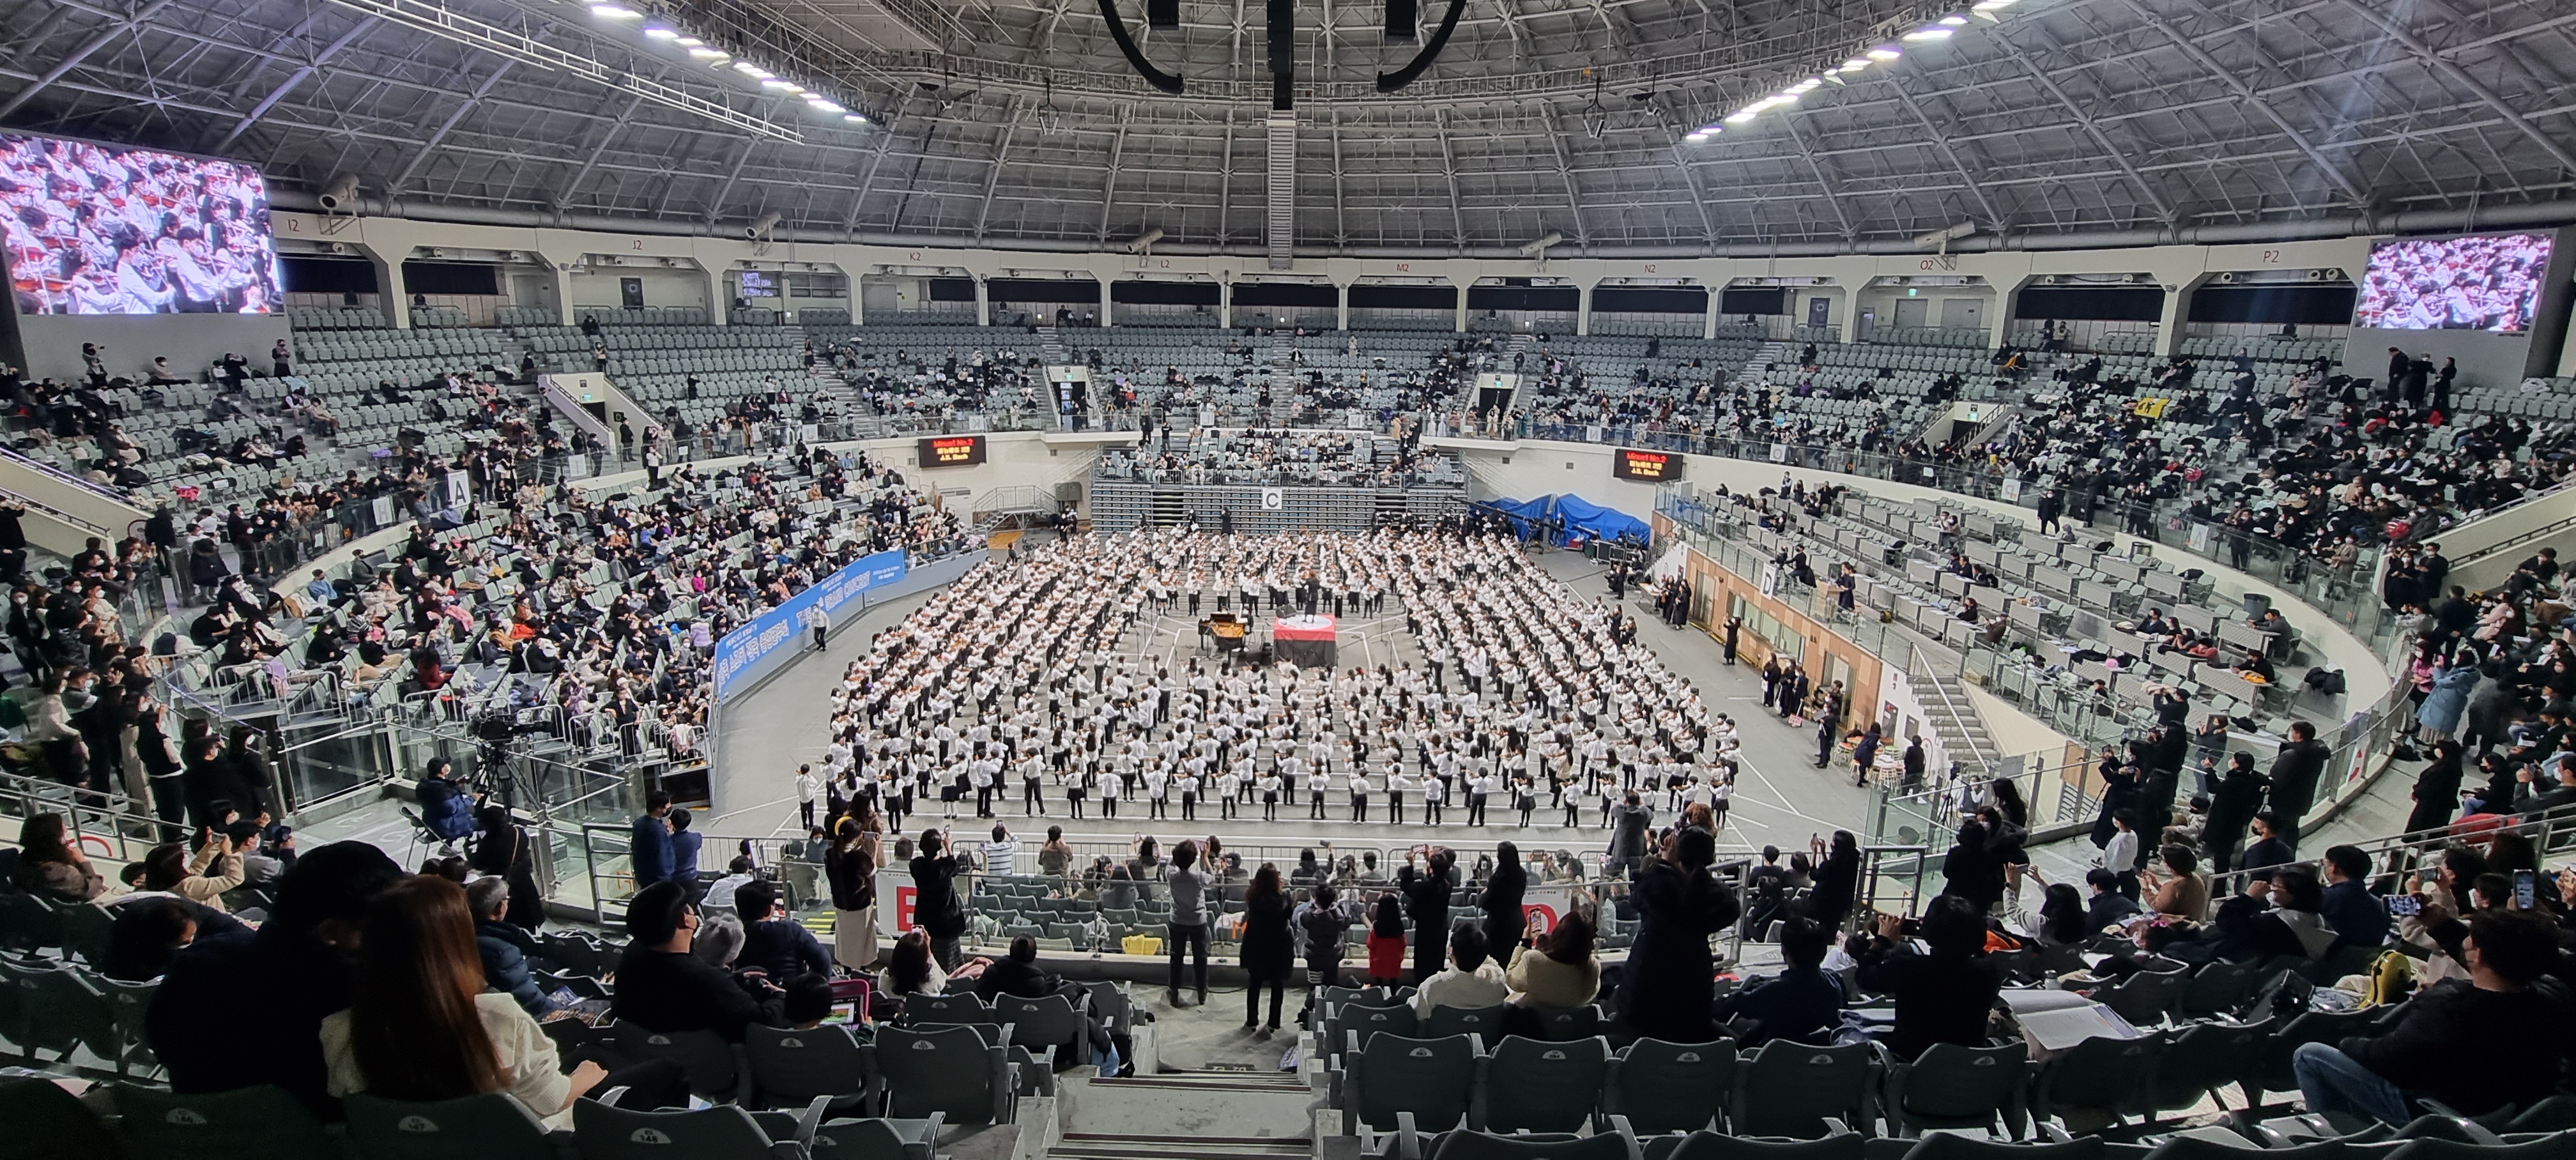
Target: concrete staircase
(1284, 379)
(833, 393)
(1772, 352)
(1955, 719)
(1185, 1115)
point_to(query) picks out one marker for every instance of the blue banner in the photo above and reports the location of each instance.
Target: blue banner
(742, 655)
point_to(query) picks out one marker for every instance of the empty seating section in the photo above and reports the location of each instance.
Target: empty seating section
(2533, 398)
(653, 365)
(303, 318)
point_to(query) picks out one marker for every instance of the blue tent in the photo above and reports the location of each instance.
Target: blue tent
(1580, 517)
(1521, 512)
(1593, 521)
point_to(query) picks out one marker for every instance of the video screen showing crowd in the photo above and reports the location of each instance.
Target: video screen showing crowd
(98, 230)
(1072, 680)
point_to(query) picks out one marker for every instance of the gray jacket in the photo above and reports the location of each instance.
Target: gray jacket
(1189, 896)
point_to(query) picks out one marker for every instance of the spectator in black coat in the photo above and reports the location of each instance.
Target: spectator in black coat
(1802, 1003)
(505, 948)
(2233, 802)
(1426, 902)
(2267, 849)
(2294, 780)
(1505, 922)
(1269, 951)
(1679, 905)
(778, 947)
(1941, 997)
(1971, 871)
(1017, 974)
(237, 1013)
(936, 907)
(2476, 1044)
(2108, 907)
(663, 987)
(2358, 917)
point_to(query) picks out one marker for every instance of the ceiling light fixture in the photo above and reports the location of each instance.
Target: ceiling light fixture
(854, 118)
(690, 42)
(661, 32)
(823, 104)
(615, 12)
(712, 56)
(1932, 32)
(1954, 21)
(435, 19)
(1885, 52)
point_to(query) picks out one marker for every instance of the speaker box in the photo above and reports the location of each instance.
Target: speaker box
(1163, 13)
(1403, 20)
(1283, 38)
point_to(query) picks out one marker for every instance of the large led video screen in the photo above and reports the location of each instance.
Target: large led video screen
(2491, 283)
(97, 229)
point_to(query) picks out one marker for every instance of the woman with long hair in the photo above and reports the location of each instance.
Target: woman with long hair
(913, 970)
(50, 866)
(1268, 952)
(1557, 970)
(1386, 946)
(850, 863)
(420, 1026)
(2061, 915)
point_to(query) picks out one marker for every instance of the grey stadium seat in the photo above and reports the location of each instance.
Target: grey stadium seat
(1664, 1087)
(486, 1127)
(255, 1121)
(792, 1068)
(1433, 1080)
(1537, 1086)
(952, 1071)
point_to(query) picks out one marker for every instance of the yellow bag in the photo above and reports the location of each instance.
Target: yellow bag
(2391, 978)
(1141, 944)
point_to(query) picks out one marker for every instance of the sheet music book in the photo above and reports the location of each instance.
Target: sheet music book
(2056, 1020)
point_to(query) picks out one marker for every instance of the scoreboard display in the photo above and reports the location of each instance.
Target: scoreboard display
(1645, 466)
(952, 451)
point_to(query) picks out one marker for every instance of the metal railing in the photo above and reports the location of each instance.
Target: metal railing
(2550, 832)
(1895, 879)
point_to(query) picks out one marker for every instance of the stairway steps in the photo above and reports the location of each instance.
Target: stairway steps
(1215, 1081)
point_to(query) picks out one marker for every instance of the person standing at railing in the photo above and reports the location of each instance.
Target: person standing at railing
(649, 841)
(2294, 777)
